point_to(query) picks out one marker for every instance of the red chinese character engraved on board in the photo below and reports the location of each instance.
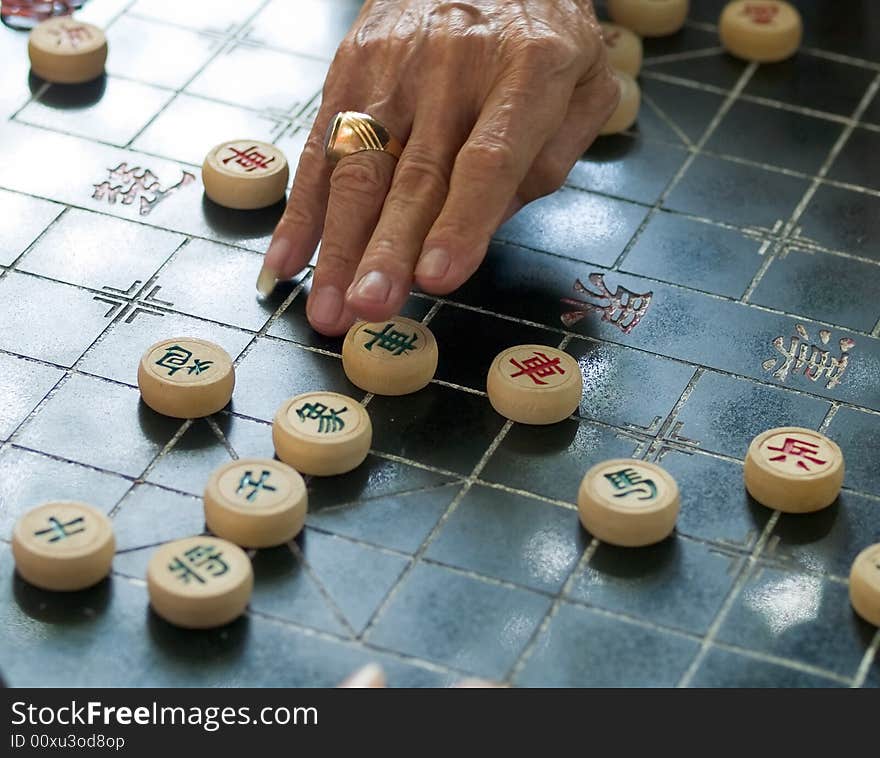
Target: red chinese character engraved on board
(800, 449)
(125, 184)
(759, 13)
(622, 308)
(159, 194)
(72, 34)
(800, 355)
(129, 184)
(538, 367)
(250, 159)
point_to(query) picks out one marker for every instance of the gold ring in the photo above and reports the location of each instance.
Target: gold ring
(351, 132)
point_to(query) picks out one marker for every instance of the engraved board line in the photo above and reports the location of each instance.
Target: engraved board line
(441, 522)
(743, 575)
(692, 154)
(757, 99)
(233, 33)
(541, 629)
(807, 197)
(437, 528)
(871, 654)
(4, 270)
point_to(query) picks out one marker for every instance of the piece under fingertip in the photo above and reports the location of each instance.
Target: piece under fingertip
(266, 281)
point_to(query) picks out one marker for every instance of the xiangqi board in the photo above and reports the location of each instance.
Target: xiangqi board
(712, 276)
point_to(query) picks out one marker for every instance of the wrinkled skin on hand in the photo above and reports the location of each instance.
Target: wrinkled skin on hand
(493, 100)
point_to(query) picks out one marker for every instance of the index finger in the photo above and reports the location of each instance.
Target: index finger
(298, 232)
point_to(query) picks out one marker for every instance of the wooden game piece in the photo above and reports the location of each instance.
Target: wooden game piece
(199, 582)
(66, 51)
(370, 676)
(649, 18)
(627, 110)
(793, 470)
(629, 503)
(186, 377)
(245, 174)
(534, 384)
(322, 433)
(864, 584)
(393, 357)
(765, 31)
(624, 48)
(256, 502)
(63, 546)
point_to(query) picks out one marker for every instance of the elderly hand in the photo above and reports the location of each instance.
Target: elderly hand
(494, 101)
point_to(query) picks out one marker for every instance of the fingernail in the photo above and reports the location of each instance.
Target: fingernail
(266, 281)
(433, 264)
(325, 305)
(375, 287)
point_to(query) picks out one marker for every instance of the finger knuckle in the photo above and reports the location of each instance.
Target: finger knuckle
(358, 178)
(488, 157)
(461, 38)
(334, 258)
(313, 150)
(361, 44)
(547, 53)
(421, 174)
(384, 253)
